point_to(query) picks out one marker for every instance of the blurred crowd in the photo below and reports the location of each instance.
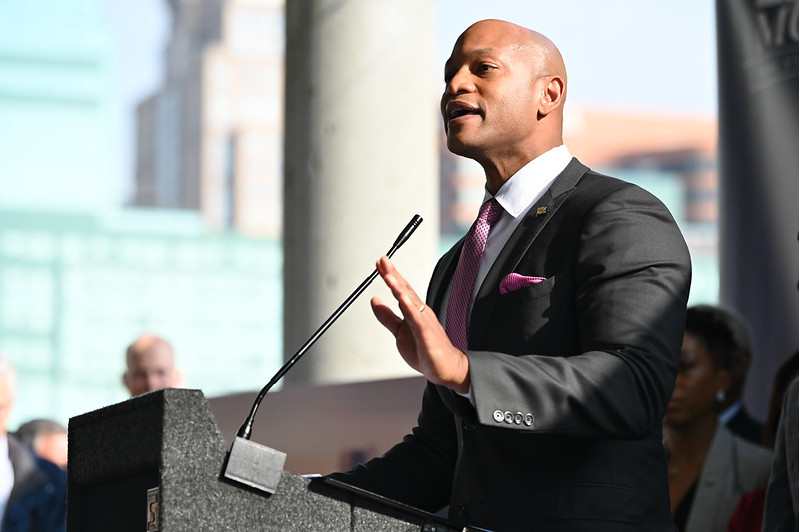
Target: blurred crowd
(33, 459)
(727, 471)
(720, 459)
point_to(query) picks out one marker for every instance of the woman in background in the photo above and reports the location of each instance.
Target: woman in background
(709, 468)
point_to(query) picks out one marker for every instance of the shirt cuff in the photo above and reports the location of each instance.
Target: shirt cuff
(469, 396)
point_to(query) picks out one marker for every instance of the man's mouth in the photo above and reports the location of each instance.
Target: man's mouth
(460, 112)
(458, 109)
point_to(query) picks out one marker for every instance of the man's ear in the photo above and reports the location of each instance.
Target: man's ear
(126, 380)
(552, 95)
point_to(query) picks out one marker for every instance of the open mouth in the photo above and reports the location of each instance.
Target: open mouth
(462, 112)
(457, 110)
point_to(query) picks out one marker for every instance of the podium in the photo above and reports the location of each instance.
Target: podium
(153, 463)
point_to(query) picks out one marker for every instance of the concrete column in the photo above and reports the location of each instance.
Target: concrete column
(361, 158)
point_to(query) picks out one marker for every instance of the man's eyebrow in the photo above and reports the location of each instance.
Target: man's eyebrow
(483, 51)
(474, 53)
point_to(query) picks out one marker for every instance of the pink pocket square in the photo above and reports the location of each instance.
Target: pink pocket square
(514, 281)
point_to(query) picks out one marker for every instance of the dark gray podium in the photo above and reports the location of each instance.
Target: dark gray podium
(153, 463)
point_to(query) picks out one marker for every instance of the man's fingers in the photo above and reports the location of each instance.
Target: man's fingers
(385, 315)
(407, 297)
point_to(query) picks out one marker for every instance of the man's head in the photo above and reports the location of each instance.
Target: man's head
(503, 100)
(8, 389)
(151, 365)
(47, 438)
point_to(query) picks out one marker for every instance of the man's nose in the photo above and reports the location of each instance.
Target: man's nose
(153, 383)
(461, 82)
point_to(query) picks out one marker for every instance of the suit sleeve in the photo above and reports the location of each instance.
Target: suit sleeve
(419, 470)
(781, 512)
(607, 341)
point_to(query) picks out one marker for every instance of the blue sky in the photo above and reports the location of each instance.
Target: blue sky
(651, 55)
(644, 54)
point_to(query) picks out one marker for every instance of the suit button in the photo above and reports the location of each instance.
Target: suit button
(498, 415)
(518, 418)
(508, 417)
(467, 427)
(529, 420)
(463, 513)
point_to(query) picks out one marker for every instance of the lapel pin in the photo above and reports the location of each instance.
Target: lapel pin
(540, 210)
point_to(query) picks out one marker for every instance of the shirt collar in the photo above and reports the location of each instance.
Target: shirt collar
(730, 413)
(529, 183)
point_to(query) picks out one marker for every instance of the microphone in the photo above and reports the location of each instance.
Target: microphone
(258, 466)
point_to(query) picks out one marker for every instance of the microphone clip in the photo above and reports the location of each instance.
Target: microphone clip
(254, 465)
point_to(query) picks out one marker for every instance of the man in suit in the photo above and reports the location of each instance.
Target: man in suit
(47, 439)
(781, 513)
(33, 492)
(549, 418)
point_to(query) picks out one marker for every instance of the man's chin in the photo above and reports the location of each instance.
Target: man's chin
(459, 147)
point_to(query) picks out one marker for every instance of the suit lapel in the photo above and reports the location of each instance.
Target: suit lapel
(514, 250)
(717, 472)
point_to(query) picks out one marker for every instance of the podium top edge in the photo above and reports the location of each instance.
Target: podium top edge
(136, 403)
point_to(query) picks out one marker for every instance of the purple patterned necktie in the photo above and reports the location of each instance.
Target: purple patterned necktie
(466, 272)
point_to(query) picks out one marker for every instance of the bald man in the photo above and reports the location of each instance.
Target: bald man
(545, 396)
(150, 366)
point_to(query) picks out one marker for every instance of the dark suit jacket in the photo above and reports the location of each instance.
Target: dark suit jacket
(570, 376)
(38, 499)
(745, 426)
(732, 468)
(782, 495)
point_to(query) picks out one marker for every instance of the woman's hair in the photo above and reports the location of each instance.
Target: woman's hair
(723, 334)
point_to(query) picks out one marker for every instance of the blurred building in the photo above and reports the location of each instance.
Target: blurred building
(59, 124)
(630, 141)
(80, 278)
(75, 290)
(211, 138)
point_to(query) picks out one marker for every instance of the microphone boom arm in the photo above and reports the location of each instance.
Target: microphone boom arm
(246, 429)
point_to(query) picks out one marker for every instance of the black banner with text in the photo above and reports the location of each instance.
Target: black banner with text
(758, 67)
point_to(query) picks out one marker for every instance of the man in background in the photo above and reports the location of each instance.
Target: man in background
(150, 366)
(782, 498)
(32, 490)
(46, 438)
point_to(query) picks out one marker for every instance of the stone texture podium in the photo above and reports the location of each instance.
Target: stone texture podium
(153, 463)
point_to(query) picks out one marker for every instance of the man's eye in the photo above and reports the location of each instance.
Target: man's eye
(686, 366)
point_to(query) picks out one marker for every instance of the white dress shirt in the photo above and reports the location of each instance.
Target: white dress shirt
(6, 476)
(516, 196)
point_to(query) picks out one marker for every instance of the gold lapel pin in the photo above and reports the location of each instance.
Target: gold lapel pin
(540, 210)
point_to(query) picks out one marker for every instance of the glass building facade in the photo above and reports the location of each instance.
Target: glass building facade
(75, 290)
